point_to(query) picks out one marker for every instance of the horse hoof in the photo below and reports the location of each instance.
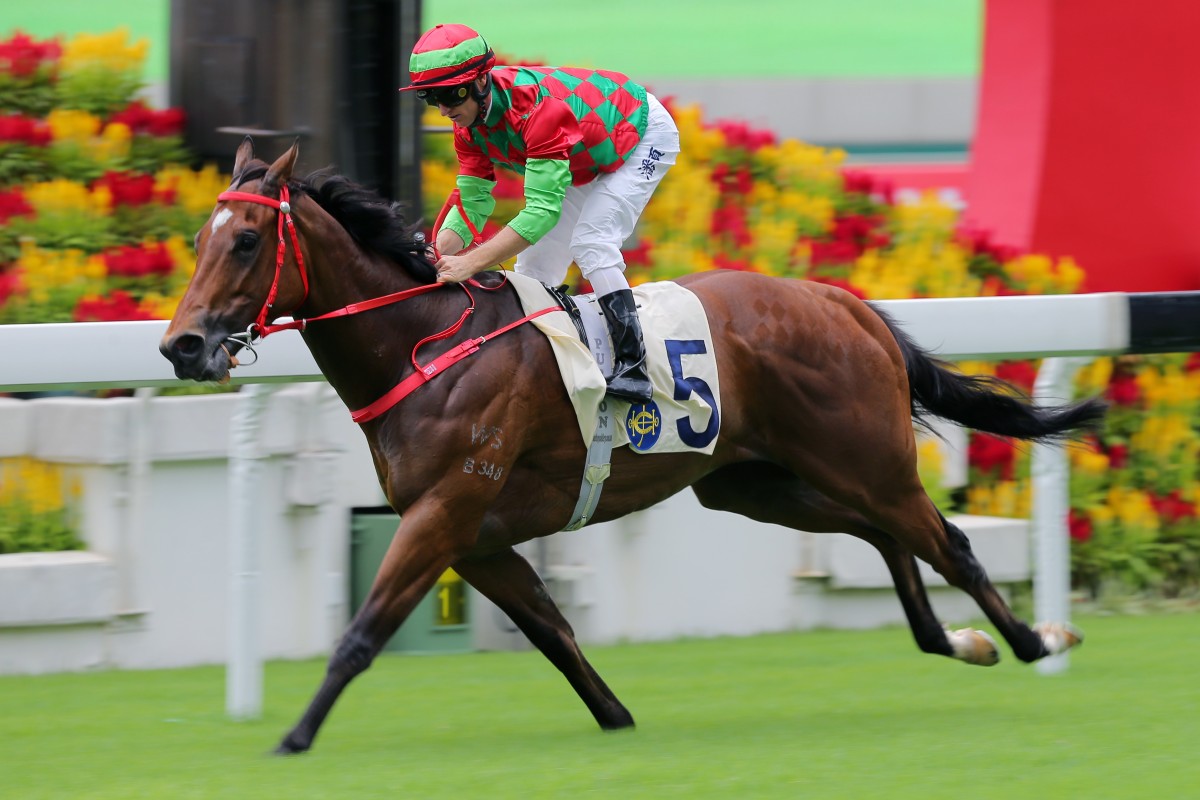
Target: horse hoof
(1058, 637)
(973, 647)
(289, 747)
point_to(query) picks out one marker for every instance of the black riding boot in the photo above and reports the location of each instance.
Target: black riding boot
(629, 380)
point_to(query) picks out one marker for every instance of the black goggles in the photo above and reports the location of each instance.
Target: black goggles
(449, 96)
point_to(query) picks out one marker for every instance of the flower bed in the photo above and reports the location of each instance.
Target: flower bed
(97, 211)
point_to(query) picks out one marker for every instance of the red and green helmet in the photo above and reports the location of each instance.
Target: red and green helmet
(448, 55)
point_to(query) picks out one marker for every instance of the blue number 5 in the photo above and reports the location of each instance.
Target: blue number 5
(676, 350)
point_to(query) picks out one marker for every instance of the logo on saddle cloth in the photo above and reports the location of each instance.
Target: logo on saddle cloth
(685, 414)
(643, 425)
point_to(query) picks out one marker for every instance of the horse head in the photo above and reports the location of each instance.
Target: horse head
(245, 275)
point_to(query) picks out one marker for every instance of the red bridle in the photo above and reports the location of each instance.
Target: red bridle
(285, 218)
(424, 373)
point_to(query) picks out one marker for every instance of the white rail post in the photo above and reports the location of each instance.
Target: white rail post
(244, 668)
(1051, 505)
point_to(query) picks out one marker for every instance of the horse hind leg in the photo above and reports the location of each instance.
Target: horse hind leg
(768, 493)
(911, 518)
(509, 581)
(1028, 644)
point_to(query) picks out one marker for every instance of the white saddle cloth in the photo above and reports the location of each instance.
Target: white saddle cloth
(684, 414)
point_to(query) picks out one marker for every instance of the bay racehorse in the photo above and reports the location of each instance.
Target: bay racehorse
(819, 394)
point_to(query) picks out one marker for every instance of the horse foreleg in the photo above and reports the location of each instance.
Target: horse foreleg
(417, 556)
(509, 581)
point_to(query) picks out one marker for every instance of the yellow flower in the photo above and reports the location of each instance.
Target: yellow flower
(61, 195)
(110, 51)
(1094, 377)
(37, 483)
(195, 190)
(70, 125)
(113, 144)
(1085, 459)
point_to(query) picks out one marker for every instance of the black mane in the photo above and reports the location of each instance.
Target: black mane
(373, 221)
(376, 223)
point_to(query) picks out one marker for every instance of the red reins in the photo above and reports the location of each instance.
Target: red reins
(423, 374)
(454, 201)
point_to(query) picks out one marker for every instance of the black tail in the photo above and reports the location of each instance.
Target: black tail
(984, 403)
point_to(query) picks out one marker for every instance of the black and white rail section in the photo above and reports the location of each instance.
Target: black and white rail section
(86, 356)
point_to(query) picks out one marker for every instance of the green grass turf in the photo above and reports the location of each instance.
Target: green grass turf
(671, 38)
(827, 714)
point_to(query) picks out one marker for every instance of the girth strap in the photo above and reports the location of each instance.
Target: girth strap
(596, 471)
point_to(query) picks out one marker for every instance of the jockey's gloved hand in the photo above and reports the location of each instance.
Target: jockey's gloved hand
(430, 252)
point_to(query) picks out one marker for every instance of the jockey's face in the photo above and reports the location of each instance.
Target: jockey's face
(465, 113)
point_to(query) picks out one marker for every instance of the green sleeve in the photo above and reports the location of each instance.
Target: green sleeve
(477, 201)
(546, 182)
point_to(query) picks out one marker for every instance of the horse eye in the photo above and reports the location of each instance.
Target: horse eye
(245, 242)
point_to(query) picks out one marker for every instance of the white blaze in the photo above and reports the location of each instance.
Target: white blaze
(220, 219)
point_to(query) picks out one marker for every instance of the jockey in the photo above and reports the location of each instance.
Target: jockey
(592, 146)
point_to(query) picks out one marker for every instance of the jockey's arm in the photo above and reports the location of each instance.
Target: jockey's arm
(546, 182)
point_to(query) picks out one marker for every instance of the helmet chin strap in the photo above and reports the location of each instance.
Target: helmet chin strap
(483, 98)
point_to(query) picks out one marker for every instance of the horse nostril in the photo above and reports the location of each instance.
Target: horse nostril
(188, 347)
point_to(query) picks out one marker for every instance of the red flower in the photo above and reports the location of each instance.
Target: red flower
(856, 182)
(1118, 455)
(742, 136)
(980, 242)
(638, 256)
(835, 252)
(1080, 526)
(731, 181)
(128, 188)
(142, 119)
(731, 220)
(1019, 373)
(10, 284)
(1123, 389)
(22, 56)
(138, 262)
(1172, 508)
(1193, 362)
(116, 307)
(18, 128)
(989, 453)
(13, 204)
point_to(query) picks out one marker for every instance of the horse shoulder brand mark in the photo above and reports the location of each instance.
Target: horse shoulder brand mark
(480, 434)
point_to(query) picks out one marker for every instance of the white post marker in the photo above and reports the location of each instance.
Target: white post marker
(1051, 505)
(244, 670)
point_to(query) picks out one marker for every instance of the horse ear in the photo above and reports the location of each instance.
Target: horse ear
(281, 171)
(245, 154)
